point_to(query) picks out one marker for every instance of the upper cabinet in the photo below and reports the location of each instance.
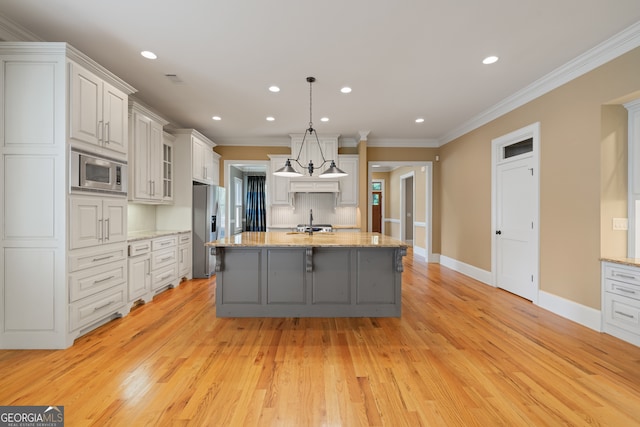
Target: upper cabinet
(97, 111)
(348, 184)
(310, 151)
(205, 162)
(147, 157)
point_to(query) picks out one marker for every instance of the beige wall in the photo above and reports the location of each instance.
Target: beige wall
(572, 130)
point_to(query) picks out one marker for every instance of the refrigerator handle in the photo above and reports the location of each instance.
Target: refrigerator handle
(213, 223)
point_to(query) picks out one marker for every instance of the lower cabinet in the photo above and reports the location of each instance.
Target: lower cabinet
(97, 286)
(621, 301)
(139, 284)
(184, 256)
(164, 262)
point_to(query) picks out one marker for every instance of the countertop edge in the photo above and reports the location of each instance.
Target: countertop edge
(632, 262)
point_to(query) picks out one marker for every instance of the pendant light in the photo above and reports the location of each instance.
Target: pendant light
(288, 171)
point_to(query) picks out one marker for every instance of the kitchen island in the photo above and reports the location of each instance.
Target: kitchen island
(280, 274)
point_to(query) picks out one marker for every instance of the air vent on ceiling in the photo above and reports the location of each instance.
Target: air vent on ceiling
(174, 78)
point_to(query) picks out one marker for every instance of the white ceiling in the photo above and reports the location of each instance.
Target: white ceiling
(404, 59)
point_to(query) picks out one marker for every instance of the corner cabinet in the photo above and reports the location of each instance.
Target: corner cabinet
(621, 301)
(147, 161)
(278, 185)
(348, 184)
(60, 278)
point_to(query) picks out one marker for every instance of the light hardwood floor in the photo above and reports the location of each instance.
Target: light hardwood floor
(462, 354)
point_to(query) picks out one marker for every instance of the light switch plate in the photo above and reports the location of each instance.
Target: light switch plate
(620, 224)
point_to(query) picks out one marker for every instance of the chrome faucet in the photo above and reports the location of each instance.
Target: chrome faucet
(310, 222)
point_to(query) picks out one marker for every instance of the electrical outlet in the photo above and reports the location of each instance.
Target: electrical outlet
(620, 224)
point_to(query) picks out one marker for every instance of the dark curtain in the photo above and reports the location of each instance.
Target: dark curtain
(256, 207)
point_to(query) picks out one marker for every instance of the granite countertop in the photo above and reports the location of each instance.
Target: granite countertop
(634, 262)
(150, 234)
(293, 239)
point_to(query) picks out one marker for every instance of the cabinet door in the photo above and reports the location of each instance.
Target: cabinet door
(210, 168)
(154, 157)
(114, 213)
(85, 107)
(85, 222)
(197, 159)
(349, 183)
(167, 171)
(279, 185)
(141, 148)
(115, 118)
(139, 277)
(184, 260)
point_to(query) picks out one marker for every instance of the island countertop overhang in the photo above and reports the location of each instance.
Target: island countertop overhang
(295, 239)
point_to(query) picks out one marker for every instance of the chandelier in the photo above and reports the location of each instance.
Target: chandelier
(287, 170)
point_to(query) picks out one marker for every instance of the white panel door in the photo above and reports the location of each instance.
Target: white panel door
(85, 109)
(115, 116)
(115, 220)
(85, 222)
(515, 215)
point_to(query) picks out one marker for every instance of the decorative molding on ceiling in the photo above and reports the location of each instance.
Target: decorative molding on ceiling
(604, 52)
(12, 32)
(400, 142)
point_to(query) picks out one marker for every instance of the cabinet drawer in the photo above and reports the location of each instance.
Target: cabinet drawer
(165, 258)
(184, 239)
(622, 274)
(90, 281)
(163, 277)
(140, 247)
(163, 242)
(622, 288)
(83, 258)
(622, 312)
(96, 307)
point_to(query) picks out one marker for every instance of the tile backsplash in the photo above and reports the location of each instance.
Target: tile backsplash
(325, 211)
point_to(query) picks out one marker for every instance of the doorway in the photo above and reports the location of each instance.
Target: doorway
(515, 212)
(242, 169)
(407, 202)
(377, 206)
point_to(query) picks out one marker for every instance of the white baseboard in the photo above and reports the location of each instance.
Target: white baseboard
(586, 316)
(571, 310)
(421, 252)
(468, 270)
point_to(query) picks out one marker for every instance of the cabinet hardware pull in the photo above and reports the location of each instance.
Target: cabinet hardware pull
(102, 306)
(100, 131)
(166, 276)
(629, 291)
(103, 258)
(107, 132)
(625, 314)
(100, 230)
(103, 280)
(167, 258)
(625, 276)
(108, 232)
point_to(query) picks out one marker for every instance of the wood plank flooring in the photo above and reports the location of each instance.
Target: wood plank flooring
(462, 354)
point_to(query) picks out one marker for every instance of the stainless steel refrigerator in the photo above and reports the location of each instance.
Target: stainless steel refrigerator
(208, 225)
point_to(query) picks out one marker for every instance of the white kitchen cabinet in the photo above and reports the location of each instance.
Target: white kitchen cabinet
(311, 152)
(278, 185)
(164, 262)
(96, 221)
(348, 184)
(205, 162)
(184, 256)
(97, 111)
(147, 158)
(139, 278)
(621, 301)
(313, 185)
(167, 167)
(59, 99)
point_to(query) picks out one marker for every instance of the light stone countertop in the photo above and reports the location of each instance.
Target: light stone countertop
(151, 234)
(633, 262)
(297, 239)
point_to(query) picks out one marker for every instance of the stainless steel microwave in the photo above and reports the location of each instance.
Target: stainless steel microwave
(90, 172)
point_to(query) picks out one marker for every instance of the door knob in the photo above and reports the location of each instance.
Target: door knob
(498, 232)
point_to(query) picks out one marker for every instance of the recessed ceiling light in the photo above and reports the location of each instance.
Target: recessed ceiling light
(490, 60)
(419, 120)
(270, 119)
(345, 89)
(216, 118)
(274, 89)
(324, 119)
(148, 54)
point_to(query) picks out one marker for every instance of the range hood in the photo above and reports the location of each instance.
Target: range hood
(313, 185)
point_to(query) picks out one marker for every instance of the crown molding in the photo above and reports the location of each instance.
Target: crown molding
(604, 52)
(12, 32)
(405, 143)
(275, 141)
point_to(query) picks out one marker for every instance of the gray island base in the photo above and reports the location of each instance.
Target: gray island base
(299, 275)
